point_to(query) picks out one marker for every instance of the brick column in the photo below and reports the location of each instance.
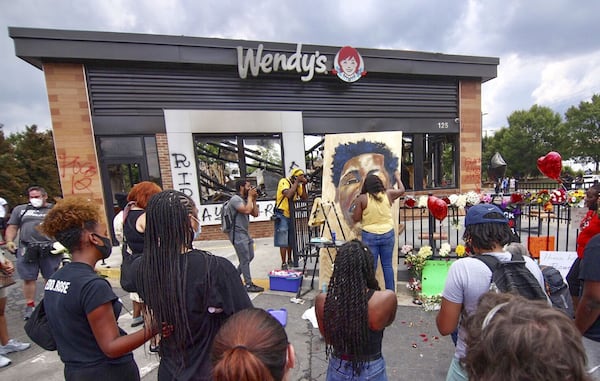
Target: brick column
(164, 161)
(73, 132)
(470, 135)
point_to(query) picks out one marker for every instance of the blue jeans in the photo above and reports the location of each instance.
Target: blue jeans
(382, 246)
(282, 231)
(341, 370)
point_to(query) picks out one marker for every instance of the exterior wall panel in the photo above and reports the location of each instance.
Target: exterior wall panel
(143, 92)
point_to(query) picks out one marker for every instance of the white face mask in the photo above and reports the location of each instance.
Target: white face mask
(36, 202)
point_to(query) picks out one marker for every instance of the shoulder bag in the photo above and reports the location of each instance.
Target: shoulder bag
(38, 328)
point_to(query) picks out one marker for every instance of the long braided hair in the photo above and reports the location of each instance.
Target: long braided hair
(373, 186)
(346, 313)
(162, 273)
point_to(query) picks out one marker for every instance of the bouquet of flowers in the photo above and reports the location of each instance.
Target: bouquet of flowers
(445, 249)
(473, 198)
(460, 250)
(575, 197)
(416, 262)
(414, 285)
(431, 302)
(558, 196)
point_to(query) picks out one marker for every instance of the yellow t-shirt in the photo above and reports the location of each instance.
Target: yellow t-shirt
(284, 205)
(377, 216)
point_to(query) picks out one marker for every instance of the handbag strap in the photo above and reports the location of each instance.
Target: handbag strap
(125, 213)
(283, 196)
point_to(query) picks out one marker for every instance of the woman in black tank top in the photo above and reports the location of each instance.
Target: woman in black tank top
(133, 232)
(354, 344)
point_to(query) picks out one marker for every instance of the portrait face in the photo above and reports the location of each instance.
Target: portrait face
(349, 65)
(353, 176)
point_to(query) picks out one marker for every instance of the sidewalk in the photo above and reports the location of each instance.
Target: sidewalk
(412, 346)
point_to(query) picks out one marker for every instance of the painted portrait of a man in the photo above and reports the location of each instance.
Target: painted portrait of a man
(347, 161)
(352, 163)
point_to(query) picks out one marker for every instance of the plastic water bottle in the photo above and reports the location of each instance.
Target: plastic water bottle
(324, 288)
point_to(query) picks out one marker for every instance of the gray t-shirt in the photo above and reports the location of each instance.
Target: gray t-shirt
(27, 218)
(468, 279)
(241, 220)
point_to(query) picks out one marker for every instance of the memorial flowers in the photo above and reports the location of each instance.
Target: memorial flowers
(414, 285)
(445, 249)
(575, 197)
(460, 250)
(416, 262)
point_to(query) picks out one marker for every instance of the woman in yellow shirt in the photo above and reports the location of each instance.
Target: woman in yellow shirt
(373, 208)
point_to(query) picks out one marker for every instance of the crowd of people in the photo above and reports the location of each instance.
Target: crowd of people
(197, 309)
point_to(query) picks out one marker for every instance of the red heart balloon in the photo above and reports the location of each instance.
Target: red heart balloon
(550, 165)
(437, 207)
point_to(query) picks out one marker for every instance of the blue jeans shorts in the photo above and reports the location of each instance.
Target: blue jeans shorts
(339, 370)
(282, 232)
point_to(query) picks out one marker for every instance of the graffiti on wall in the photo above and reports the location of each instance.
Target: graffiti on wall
(471, 173)
(182, 174)
(211, 214)
(76, 174)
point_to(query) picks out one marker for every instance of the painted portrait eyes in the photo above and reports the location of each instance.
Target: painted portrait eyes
(351, 181)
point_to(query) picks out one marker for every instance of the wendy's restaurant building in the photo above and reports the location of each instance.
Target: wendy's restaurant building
(194, 114)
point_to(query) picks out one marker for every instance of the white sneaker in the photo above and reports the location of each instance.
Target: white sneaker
(13, 346)
(4, 361)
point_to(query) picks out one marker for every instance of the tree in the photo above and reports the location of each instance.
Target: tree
(12, 175)
(34, 152)
(583, 126)
(529, 135)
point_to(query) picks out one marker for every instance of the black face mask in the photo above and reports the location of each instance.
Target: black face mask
(105, 250)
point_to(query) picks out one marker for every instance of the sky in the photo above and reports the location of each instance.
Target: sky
(549, 50)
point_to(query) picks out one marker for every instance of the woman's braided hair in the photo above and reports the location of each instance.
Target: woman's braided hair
(162, 274)
(346, 313)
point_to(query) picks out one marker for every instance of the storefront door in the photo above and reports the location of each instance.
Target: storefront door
(119, 176)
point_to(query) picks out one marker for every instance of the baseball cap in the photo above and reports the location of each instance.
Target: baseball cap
(297, 172)
(480, 214)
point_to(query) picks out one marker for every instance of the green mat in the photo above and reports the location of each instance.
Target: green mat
(434, 277)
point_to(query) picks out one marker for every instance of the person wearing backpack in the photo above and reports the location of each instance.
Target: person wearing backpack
(486, 233)
(239, 208)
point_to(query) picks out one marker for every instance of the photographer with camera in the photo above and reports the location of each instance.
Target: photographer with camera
(243, 205)
(292, 189)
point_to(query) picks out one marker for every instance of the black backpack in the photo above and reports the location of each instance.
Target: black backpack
(513, 276)
(558, 290)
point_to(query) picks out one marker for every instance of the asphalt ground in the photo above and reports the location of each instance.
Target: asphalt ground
(412, 347)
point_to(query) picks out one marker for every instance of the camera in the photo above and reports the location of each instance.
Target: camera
(260, 192)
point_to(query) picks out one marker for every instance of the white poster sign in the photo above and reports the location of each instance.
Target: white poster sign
(560, 260)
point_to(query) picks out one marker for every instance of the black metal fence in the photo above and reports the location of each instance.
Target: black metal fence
(536, 226)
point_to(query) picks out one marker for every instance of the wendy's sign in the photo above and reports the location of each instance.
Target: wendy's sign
(348, 64)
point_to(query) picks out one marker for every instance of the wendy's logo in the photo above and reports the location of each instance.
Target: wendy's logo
(348, 65)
